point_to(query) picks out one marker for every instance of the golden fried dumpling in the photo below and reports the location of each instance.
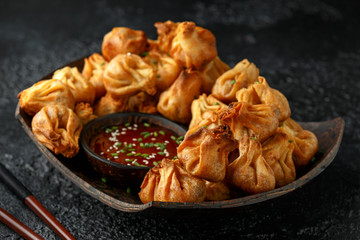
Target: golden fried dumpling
(242, 75)
(141, 102)
(174, 103)
(58, 128)
(250, 172)
(107, 105)
(123, 40)
(205, 107)
(152, 45)
(85, 112)
(128, 74)
(261, 93)
(193, 46)
(167, 70)
(82, 89)
(217, 191)
(93, 71)
(211, 72)
(44, 93)
(259, 119)
(305, 142)
(278, 153)
(170, 182)
(204, 153)
(166, 32)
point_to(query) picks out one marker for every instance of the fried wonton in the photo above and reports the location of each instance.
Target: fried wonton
(242, 75)
(58, 128)
(152, 45)
(193, 46)
(166, 32)
(175, 102)
(93, 71)
(259, 119)
(204, 153)
(170, 182)
(250, 172)
(211, 72)
(128, 74)
(141, 102)
(43, 93)
(205, 107)
(278, 153)
(107, 105)
(218, 191)
(85, 112)
(167, 70)
(81, 89)
(305, 142)
(261, 93)
(123, 40)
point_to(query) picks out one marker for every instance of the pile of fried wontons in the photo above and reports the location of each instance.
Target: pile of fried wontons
(240, 132)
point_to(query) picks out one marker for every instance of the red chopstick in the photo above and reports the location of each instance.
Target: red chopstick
(19, 189)
(10, 221)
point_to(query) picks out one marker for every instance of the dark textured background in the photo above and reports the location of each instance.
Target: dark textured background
(309, 50)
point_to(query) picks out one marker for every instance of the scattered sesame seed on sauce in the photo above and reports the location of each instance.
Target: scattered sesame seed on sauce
(137, 144)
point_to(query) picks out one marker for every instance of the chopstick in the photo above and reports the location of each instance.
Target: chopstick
(18, 226)
(24, 194)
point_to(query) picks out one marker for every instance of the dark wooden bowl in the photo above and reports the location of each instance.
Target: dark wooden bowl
(121, 174)
(80, 171)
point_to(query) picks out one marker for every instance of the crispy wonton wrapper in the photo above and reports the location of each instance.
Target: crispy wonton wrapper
(175, 102)
(128, 74)
(205, 107)
(170, 182)
(278, 153)
(43, 93)
(140, 102)
(211, 72)
(93, 71)
(80, 87)
(204, 153)
(259, 119)
(305, 142)
(107, 105)
(242, 75)
(193, 46)
(218, 191)
(167, 70)
(261, 93)
(123, 40)
(250, 172)
(85, 112)
(58, 128)
(166, 32)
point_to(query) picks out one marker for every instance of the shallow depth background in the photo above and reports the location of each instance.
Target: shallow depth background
(309, 50)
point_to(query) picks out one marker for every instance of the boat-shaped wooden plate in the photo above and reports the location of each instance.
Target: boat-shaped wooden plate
(79, 171)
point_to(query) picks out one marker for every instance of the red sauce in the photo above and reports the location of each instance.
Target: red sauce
(137, 144)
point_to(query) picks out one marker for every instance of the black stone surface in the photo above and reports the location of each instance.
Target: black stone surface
(309, 50)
